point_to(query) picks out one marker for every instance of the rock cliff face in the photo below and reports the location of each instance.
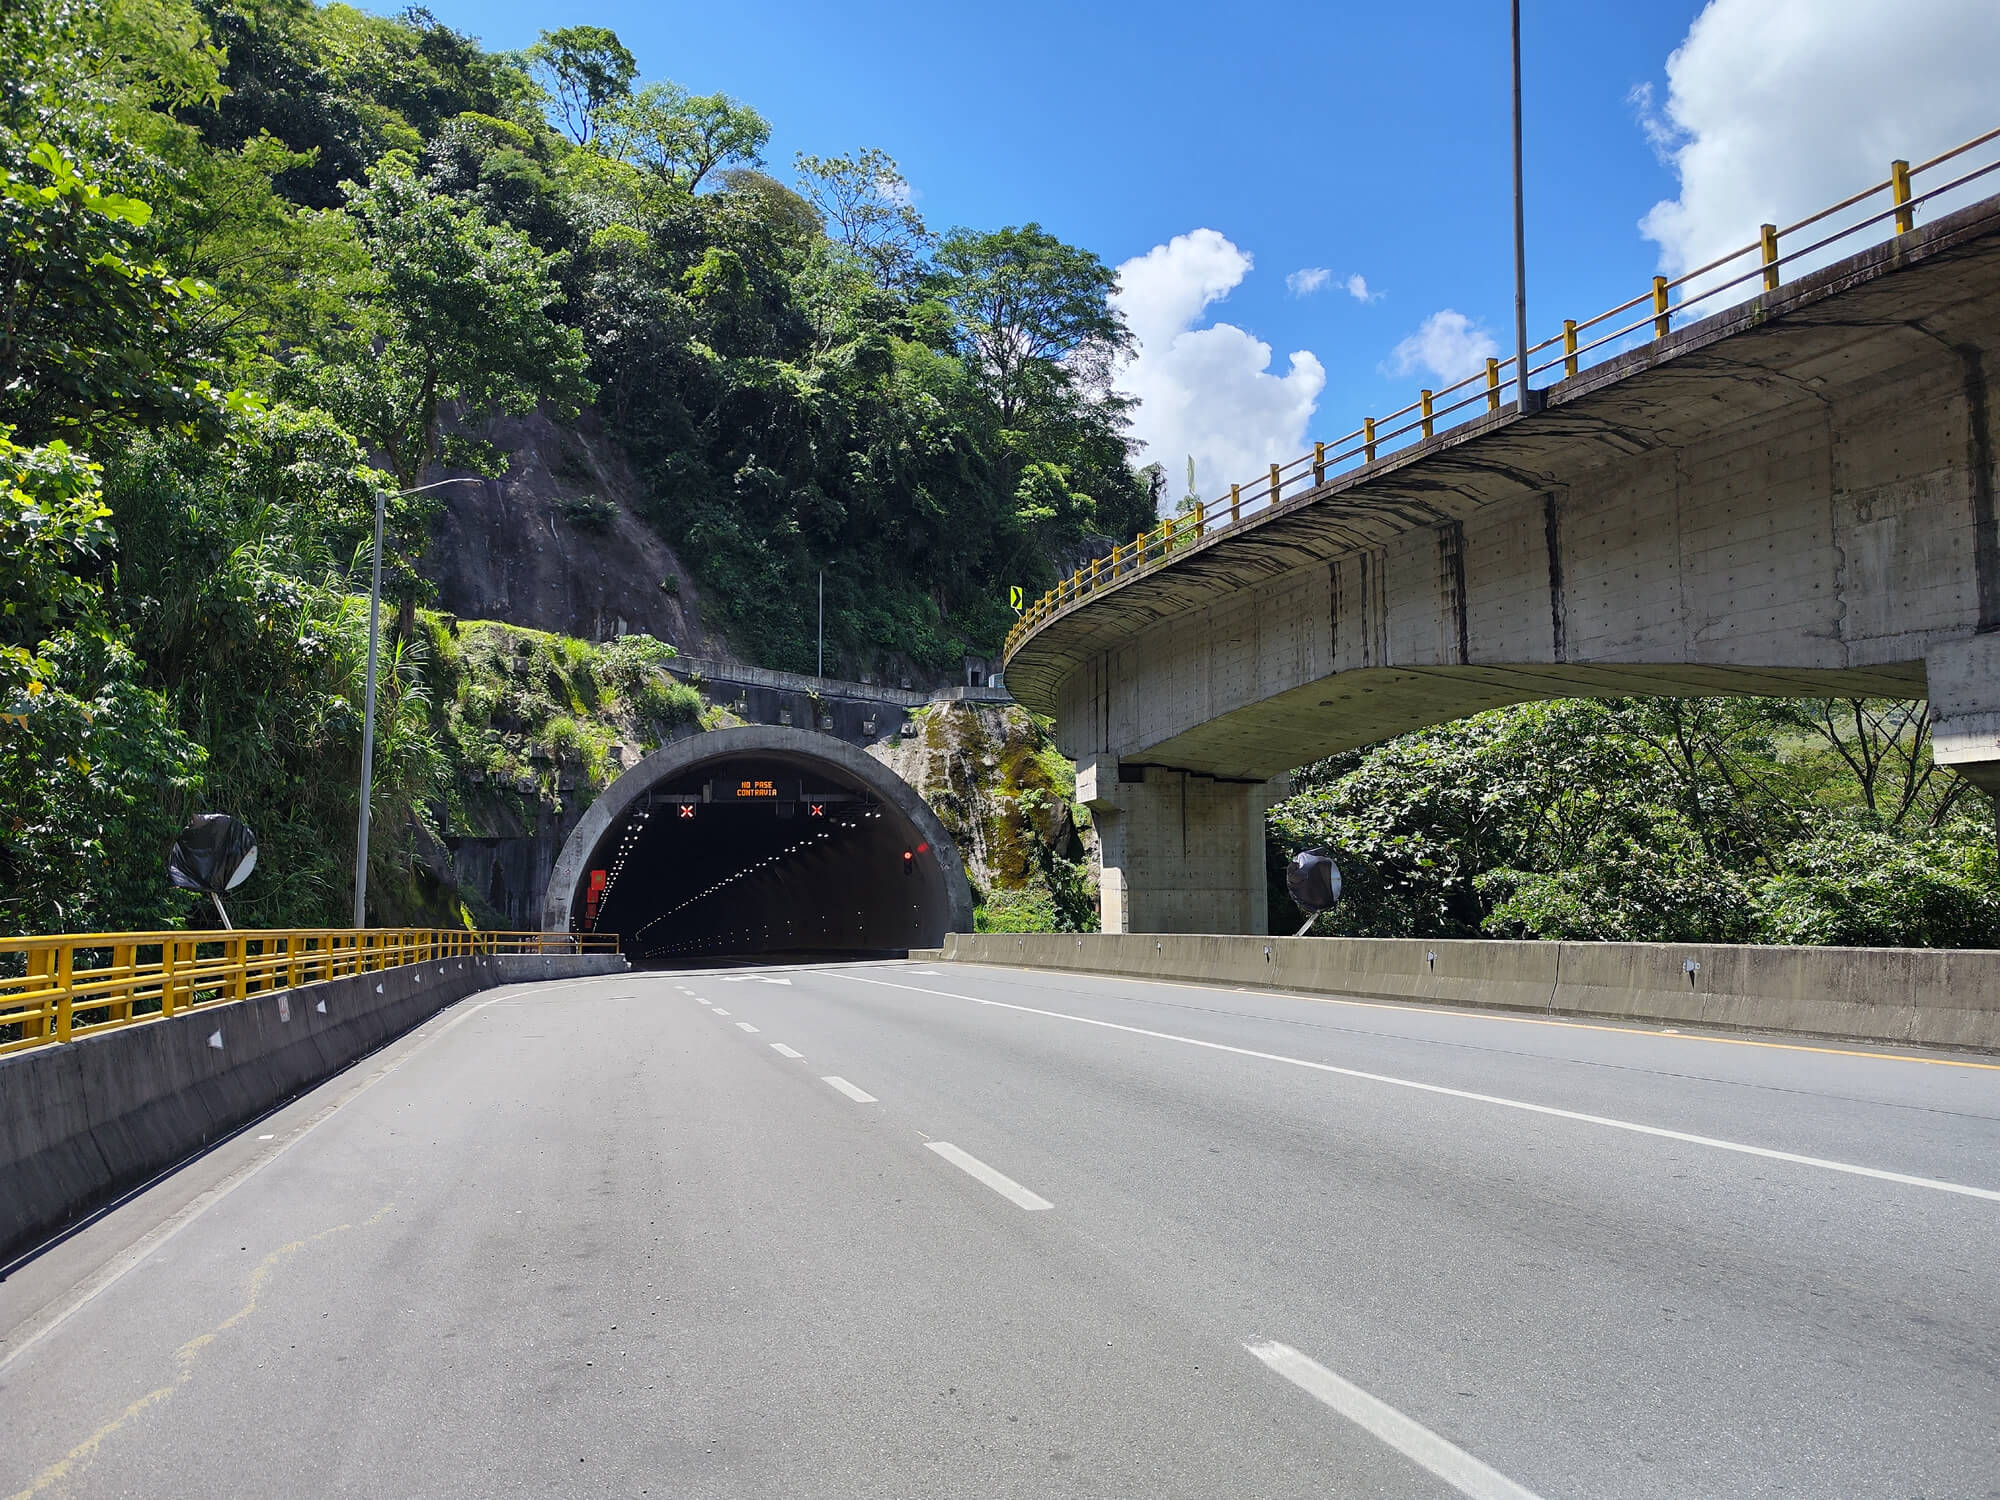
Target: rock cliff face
(1006, 794)
(556, 544)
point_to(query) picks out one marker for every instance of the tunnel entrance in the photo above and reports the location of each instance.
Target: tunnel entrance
(759, 842)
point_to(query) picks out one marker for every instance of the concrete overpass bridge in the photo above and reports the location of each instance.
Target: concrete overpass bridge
(1790, 497)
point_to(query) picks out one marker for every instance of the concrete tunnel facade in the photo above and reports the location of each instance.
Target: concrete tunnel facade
(759, 840)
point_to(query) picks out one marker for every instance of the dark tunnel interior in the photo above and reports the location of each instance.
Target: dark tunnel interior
(763, 856)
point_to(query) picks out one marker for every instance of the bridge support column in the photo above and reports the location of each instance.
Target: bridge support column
(1182, 852)
(1963, 681)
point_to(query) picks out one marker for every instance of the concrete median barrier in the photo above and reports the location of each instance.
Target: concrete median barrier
(1916, 996)
(83, 1122)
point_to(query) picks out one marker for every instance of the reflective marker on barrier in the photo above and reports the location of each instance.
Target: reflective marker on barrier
(215, 1040)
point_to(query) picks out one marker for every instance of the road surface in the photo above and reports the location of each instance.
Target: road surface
(912, 1230)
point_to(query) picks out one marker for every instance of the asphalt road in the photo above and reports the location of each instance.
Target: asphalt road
(892, 1230)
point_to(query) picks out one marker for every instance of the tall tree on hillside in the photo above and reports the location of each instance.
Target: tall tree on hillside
(584, 69)
(456, 311)
(680, 137)
(865, 202)
(1030, 306)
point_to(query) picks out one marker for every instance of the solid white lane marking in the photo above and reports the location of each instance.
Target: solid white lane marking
(783, 1051)
(1413, 1440)
(730, 978)
(859, 1096)
(1000, 1182)
(720, 1011)
(746, 1026)
(1936, 1185)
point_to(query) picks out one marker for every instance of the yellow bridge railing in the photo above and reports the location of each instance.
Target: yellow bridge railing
(53, 989)
(1480, 394)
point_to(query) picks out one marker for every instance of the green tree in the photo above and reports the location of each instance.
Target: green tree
(585, 68)
(679, 138)
(1028, 304)
(92, 327)
(455, 310)
(865, 204)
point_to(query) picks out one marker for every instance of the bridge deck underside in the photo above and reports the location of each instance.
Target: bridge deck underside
(1783, 499)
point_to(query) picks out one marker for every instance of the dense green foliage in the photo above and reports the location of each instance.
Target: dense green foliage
(261, 258)
(1656, 820)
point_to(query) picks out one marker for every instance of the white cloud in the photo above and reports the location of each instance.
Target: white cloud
(1305, 283)
(1776, 108)
(1357, 288)
(1209, 392)
(1449, 345)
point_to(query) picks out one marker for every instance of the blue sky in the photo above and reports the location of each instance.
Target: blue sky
(1362, 140)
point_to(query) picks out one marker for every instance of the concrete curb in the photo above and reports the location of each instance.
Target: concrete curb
(1932, 997)
(81, 1123)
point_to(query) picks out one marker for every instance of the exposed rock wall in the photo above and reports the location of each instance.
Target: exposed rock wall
(530, 548)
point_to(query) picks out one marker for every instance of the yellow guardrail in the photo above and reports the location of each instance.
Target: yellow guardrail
(53, 989)
(1578, 344)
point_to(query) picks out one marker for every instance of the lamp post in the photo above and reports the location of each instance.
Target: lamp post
(368, 704)
(1526, 401)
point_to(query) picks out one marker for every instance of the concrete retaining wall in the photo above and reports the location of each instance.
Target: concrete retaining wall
(1929, 997)
(81, 1123)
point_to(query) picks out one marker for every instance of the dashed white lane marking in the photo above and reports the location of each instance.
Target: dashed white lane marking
(1413, 1440)
(746, 1026)
(703, 1002)
(1000, 1182)
(783, 1051)
(773, 979)
(730, 978)
(859, 1096)
(720, 1011)
(1935, 1184)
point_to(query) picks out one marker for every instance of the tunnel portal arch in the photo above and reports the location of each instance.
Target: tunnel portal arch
(760, 838)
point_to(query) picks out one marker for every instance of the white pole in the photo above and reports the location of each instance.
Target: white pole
(368, 726)
(822, 622)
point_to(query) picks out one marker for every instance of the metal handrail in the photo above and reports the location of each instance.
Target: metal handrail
(1354, 452)
(59, 987)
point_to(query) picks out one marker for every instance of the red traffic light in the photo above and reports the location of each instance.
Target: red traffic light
(923, 848)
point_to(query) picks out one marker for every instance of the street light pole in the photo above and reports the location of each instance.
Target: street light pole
(368, 724)
(368, 700)
(1526, 401)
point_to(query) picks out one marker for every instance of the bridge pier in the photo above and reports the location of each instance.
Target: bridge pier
(1182, 851)
(1963, 684)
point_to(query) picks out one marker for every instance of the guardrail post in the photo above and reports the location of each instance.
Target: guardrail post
(1235, 503)
(125, 963)
(1569, 347)
(1368, 437)
(63, 974)
(1427, 397)
(1767, 237)
(1138, 552)
(1096, 568)
(1899, 189)
(1200, 519)
(1277, 485)
(238, 951)
(1660, 319)
(1319, 463)
(1493, 385)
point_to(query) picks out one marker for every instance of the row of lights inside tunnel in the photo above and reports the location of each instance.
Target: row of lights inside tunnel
(637, 826)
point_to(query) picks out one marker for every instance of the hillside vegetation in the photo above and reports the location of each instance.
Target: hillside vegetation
(262, 257)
